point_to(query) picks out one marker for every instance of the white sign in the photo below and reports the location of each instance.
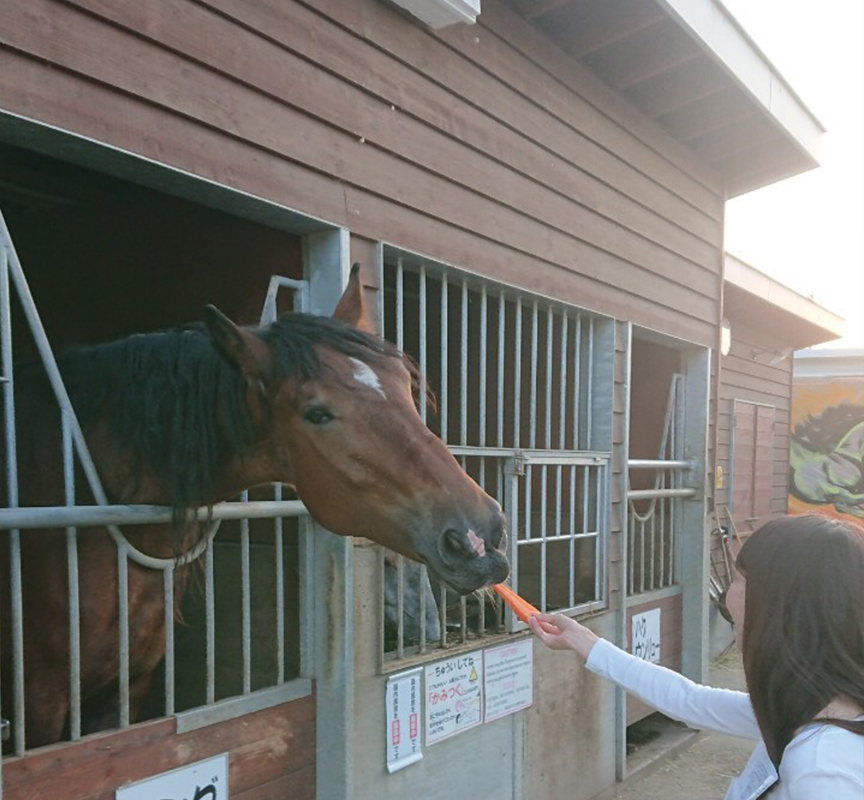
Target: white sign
(403, 719)
(645, 635)
(508, 678)
(454, 696)
(205, 780)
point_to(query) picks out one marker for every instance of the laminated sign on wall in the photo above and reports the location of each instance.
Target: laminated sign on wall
(454, 696)
(508, 678)
(204, 780)
(645, 636)
(403, 719)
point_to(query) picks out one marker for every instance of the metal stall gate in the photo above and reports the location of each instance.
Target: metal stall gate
(256, 675)
(522, 387)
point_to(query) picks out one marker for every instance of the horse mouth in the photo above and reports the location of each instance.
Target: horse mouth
(477, 573)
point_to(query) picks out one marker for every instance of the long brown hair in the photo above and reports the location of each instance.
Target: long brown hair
(803, 622)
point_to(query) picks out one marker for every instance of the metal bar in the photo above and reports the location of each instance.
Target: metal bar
(528, 492)
(649, 494)
(662, 535)
(210, 621)
(400, 306)
(652, 549)
(517, 375)
(463, 372)
(562, 411)
(577, 381)
(246, 600)
(589, 400)
(400, 607)
(502, 323)
(599, 558)
(540, 539)
(422, 321)
(481, 376)
(442, 616)
(631, 554)
(123, 614)
(74, 593)
(88, 516)
(550, 324)
(647, 463)
(279, 542)
(442, 399)
(532, 409)
(424, 578)
(543, 501)
(463, 618)
(572, 554)
(642, 559)
(12, 499)
(168, 592)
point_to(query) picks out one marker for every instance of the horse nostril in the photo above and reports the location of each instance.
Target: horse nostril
(455, 545)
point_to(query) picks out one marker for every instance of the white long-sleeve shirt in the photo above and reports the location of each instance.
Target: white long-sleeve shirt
(823, 762)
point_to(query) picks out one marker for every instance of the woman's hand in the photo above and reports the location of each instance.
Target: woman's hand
(558, 632)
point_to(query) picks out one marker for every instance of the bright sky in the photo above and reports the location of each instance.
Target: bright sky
(808, 231)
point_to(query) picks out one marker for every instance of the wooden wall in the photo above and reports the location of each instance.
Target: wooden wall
(272, 756)
(483, 146)
(744, 378)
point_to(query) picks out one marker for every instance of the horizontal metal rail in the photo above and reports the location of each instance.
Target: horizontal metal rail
(647, 463)
(85, 516)
(651, 494)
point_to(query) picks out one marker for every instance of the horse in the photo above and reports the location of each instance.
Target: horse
(195, 415)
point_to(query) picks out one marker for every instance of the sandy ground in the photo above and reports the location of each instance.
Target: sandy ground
(703, 770)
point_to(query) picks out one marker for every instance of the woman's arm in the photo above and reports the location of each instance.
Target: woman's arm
(678, 697)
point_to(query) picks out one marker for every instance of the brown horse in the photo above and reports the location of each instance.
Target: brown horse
(193, 416)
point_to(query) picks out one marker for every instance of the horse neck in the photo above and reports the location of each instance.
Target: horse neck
(256, 467)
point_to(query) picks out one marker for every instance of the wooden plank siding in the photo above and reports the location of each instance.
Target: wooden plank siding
(746, 379)
(272, 755)
(501, 154)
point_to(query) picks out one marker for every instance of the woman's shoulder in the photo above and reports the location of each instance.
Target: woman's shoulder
(822, 753)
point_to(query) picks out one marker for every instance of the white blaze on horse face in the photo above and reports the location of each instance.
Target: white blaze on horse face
(364, 374)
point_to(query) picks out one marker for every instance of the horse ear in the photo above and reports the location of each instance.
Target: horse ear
(350, 308)
(238, 345)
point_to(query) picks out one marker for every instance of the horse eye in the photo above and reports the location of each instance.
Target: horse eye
(317, 415)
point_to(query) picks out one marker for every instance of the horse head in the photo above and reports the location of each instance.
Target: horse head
(337, 419)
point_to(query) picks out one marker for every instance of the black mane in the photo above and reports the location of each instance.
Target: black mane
(180, 406)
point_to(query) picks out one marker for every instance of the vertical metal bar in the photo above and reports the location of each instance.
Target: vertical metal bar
(442, 614)
(652, 548)
(577, 381)
(210, 621)
(599, 559)
(532, 422)
(631, 548)
(423, 342)
(528, 492)
(463, 614)
(247, 600)
(481, 377)
(550, 323)
(543, 505)
(74, 594)
(517, 375)
(400, 305)
(562, 413)
(589, 400)
(642, 557)
(168, 594)
(12, 502)
(424, 578)
(123, 612)
(572, 556)
(665, 577)
(463, 372)
(502, 323)
(400, 607)
(279, 546)
(442, 400)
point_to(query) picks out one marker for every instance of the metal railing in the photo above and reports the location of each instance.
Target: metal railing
(19, 521)
(653, 513)
(517, 397)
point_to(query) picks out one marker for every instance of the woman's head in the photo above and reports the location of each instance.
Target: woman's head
(803, 621)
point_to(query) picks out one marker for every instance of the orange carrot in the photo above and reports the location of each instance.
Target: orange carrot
(521, 608)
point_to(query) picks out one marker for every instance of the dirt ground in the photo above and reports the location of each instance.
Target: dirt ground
(704, 769)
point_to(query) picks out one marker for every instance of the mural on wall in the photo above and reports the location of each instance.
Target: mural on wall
(826, 448)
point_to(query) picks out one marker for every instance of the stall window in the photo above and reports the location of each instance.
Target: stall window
(752, 460)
